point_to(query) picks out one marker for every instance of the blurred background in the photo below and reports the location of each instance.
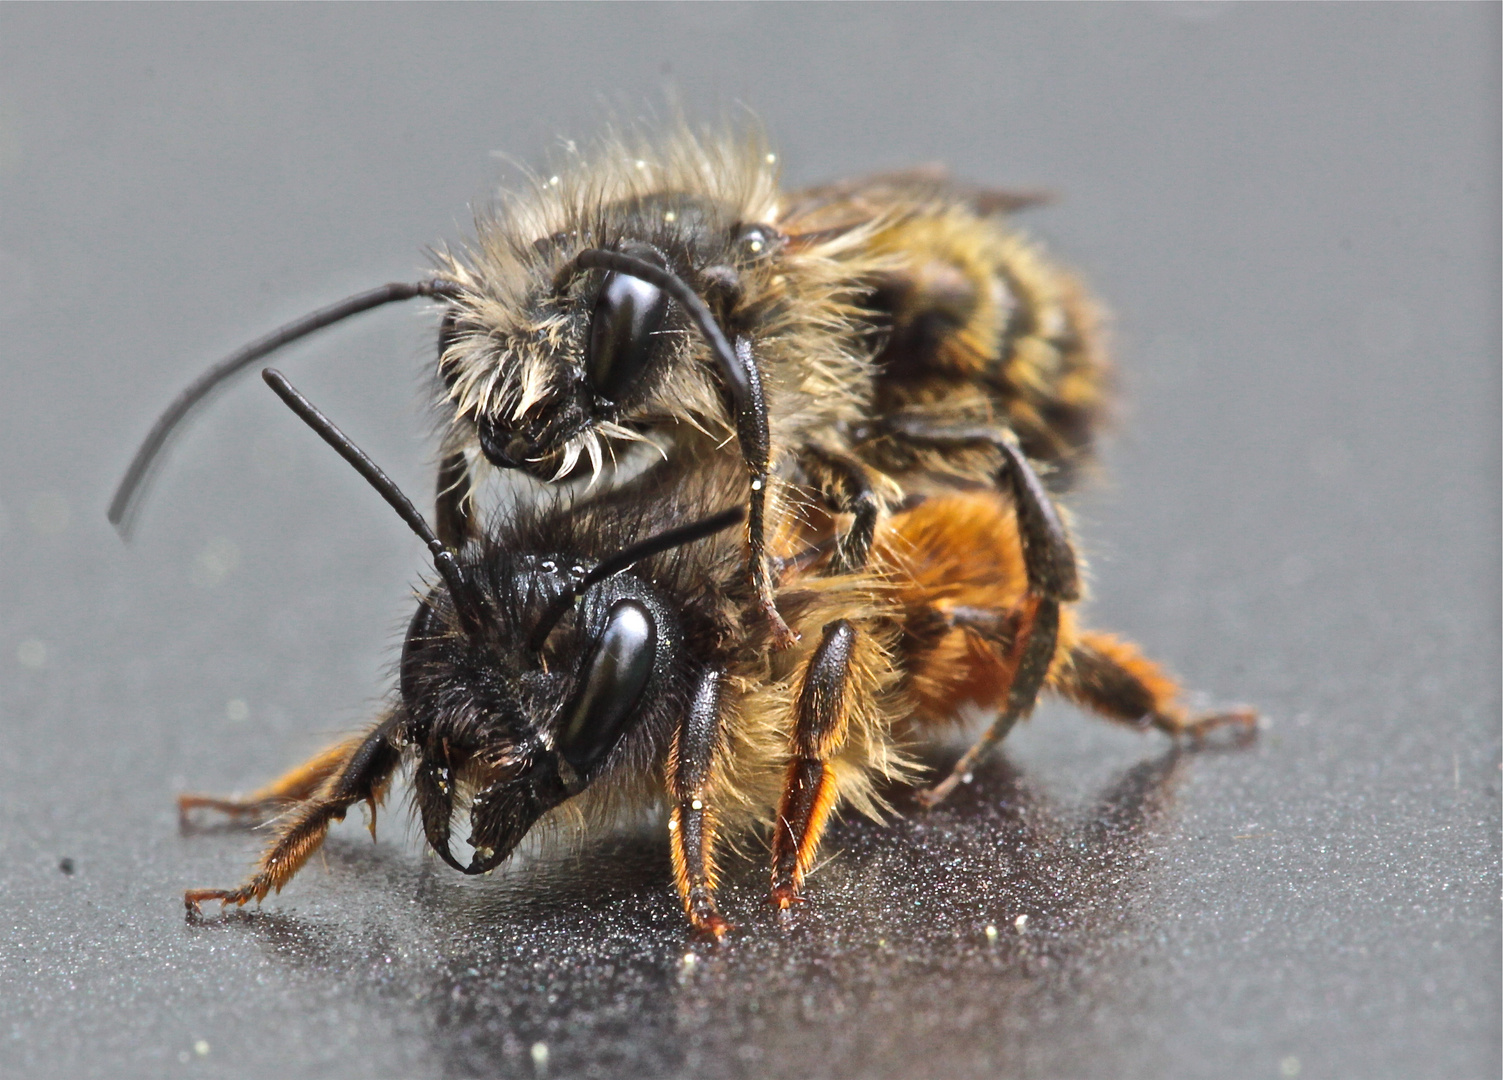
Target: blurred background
(1293, 214)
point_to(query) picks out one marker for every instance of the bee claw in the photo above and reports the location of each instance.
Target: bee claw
(929, 798)
(713, 926)
(784, 898)
(783, 635)
(1243, 721)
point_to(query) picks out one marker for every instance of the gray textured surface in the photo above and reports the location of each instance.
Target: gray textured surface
(1294, 212)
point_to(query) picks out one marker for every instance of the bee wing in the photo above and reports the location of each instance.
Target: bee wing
(831, 209)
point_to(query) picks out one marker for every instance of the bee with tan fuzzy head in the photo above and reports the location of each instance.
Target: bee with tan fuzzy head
(669, 294)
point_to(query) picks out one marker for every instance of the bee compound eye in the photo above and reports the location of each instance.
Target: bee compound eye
(628, 312)
(611, 685)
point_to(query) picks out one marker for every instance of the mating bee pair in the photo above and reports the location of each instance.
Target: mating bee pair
(889, 361)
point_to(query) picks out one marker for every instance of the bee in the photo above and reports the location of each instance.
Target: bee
(580, 661)
(849, 340)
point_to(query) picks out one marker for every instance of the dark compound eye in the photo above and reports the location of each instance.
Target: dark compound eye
(617, 674)
(627, 314)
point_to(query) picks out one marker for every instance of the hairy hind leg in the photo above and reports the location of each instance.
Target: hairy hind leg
(293, 786)
(1048, 559)
(1112, 677)
(1029, 643)
(361, 775)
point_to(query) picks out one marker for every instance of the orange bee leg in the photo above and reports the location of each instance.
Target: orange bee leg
(691, 818)
(362, 775)
(1113, 678)
(809, 792)
(1032, 653)
(293, 786)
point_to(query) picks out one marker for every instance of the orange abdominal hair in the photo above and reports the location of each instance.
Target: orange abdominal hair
(961, 555)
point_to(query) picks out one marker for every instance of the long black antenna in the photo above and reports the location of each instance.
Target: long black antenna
(465, 603)
(122, 508)
(622, 560)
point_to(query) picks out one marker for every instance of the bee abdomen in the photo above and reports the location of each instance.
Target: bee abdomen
(982, 327)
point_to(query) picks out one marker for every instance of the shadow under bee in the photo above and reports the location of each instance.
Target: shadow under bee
(914, 950)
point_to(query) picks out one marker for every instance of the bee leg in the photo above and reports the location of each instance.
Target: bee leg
(1031, 653)
(360, 776)
(752, 431)
(821, 720)
(846, 485)
(293, 786)
(1047, 552)
(454, 519)
(1113, 678)
(1048, 558)
(697, 747)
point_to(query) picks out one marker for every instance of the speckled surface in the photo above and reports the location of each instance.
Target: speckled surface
(1293, 212)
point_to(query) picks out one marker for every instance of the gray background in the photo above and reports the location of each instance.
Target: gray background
(1293, 212)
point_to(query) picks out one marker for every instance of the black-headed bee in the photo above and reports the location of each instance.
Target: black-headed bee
(574, 662)
(578, 659)
(670, 294)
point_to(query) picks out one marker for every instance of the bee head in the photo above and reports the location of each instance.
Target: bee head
(602, 337)
(511, 729)
(521, 674)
